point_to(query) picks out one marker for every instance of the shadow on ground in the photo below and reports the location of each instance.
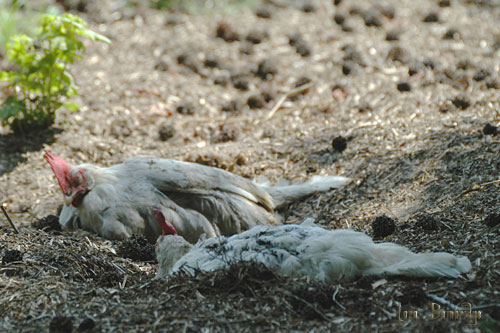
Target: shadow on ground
(13, 147)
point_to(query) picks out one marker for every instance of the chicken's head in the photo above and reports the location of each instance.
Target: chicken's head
(73, 181)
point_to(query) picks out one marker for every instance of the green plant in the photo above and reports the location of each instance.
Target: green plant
(41, 80)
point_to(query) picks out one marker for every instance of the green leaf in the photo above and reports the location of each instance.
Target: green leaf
(11, 107)
(72, 106)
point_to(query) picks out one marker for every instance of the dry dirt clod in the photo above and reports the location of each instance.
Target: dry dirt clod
(47, 223)
(403, 86)
(413, 295)
(492, 220)
(61, 324)
(489, 129)
(87, 324)
(339, 144)
(383, 226)
(137, 248)
(12, 256)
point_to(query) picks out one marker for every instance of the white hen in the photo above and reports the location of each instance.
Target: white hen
(301, 250)
(118, 201)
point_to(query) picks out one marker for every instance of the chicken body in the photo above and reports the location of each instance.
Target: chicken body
(304, 250)
(118, 201)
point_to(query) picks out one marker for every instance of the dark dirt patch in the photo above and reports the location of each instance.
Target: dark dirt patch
(47, 223)
(137, 248)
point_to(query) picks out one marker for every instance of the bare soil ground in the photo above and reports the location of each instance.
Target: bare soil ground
(409, 84)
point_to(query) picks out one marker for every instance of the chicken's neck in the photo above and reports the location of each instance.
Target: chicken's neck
(169, 249)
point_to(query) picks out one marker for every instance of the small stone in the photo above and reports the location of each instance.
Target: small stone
(492, 83)
(211, 61)
(221, 80)
(392, 35)
(431, 18)
(444, 3)
(481, 75)
(489, 129)
(398, 54)
(256, 36)
(240, 82)
(225, 32)
(308, 8)
(451, 34)
(225, 133)
(461, 102)
(339, 18)
(161, 65)
(383, 226)
(166, 131)
(372, 19)
(404, 86)
(300, 45)
(231, 106)
(255, 102)
(347, 68)
(339, 144)
(185, 108)
(187, 61)
(263, 12)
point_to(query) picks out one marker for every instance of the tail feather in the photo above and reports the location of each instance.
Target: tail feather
(398, 260)
(283, 195)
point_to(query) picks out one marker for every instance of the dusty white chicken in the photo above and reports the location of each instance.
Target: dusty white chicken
(118, 201)
(301, 250)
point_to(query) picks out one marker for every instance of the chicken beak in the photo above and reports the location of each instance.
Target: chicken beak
(68, 199)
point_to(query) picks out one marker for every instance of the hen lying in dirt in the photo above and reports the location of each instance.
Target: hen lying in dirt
(301, 250)
(118, 201)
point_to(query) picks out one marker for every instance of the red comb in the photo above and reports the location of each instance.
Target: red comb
(166, 227)
(60, 169)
